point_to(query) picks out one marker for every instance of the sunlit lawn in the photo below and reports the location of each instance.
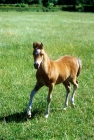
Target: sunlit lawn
(61, 33)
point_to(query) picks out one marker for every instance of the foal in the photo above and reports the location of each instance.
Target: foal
(49, 73)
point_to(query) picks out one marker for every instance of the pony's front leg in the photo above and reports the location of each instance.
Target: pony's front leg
(49, 100)
(36, 88)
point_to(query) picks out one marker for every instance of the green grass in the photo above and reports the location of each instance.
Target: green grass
(61, 33)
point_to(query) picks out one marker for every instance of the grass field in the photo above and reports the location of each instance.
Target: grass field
(61, 33)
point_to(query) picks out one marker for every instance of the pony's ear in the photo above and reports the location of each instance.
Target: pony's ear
(34, 44)
(41, 46)
(37, 45)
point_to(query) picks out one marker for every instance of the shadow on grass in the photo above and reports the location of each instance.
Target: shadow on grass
(20, 117)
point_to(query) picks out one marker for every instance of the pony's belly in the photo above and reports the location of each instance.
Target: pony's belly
(59, 80)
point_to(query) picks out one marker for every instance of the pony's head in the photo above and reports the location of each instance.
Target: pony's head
(37, 54)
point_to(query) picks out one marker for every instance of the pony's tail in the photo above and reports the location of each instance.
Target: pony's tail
(80, 66)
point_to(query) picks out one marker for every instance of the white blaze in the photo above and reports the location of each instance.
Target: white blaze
(37, 51)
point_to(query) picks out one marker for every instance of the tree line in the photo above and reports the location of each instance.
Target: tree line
(49, 2)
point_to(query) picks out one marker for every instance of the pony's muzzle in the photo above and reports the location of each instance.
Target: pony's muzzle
(36, 65)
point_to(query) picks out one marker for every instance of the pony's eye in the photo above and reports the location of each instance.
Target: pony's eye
(41, 54)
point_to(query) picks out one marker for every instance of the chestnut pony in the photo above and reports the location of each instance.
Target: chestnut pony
(49, 73)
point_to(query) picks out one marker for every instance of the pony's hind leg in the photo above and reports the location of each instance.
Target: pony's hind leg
(75, 86)
(67, 86)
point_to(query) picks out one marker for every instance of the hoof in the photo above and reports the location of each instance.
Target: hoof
(73, 105)
(64, 108)
(29, 114)
(46, 116)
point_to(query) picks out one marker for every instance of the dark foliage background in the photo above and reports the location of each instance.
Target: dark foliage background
(47, 2)
(64, 5)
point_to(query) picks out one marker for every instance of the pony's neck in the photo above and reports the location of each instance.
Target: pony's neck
(45, 63)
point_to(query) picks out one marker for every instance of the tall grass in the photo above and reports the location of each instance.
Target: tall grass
(61, 33)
